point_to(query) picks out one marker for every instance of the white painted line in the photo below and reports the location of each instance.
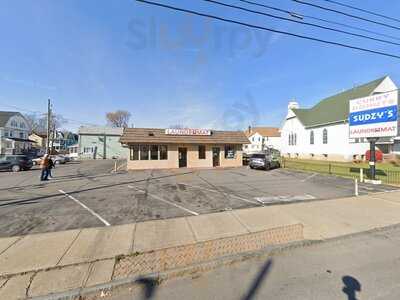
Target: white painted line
(216, 191)
(165, 201)
(271, 199)
(85, 207)
(309, 177)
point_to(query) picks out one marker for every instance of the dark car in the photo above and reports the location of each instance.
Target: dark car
(15, 163)
(264, 161)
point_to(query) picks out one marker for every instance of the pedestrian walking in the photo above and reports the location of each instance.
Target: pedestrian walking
(50, 167)
(44, 166)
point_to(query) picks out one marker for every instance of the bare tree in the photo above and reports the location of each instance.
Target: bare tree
(119, 118)
(38, 123)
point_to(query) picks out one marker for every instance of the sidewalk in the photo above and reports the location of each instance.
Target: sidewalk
(40, 264)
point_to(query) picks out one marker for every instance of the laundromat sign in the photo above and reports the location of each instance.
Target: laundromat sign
(187, 131)
(374, 116)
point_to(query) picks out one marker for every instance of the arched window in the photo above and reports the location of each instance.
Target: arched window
(325, 136)
(295, 139)
(290, 139)
(312, 137)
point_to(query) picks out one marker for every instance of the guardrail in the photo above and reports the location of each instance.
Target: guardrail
(386, 176)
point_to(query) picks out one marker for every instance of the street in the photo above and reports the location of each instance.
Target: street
(366, 266)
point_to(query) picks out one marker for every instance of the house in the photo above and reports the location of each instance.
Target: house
(262, 138)
(40, 139)
(322, 131)
(14, 133)
(101, 143)
(62, 140)
(155, 148)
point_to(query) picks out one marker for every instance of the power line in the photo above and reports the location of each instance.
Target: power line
(269, 29)
(44, 113)
(346, 14)
(363, 10)
(303, 23)
(302, 16)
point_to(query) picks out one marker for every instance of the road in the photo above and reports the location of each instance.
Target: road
(366, 266)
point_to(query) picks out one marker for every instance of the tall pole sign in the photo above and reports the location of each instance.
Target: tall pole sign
(374, 117)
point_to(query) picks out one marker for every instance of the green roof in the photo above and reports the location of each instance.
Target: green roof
(335, 108)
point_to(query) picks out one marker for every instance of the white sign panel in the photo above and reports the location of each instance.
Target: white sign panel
(374, 116)
(187, 131)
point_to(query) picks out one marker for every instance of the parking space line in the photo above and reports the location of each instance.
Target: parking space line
(309, 177)
(163, 200)
(85, 207)
(216, 191)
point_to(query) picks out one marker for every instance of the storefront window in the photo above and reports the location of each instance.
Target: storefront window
(135, 152)
(202, 152)
(154, 152)
(144, 152)
(230, 151)
(163, 152)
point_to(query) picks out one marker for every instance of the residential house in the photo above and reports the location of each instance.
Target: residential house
(101, 143)
(322, 131)
(262, 138)
(14, 133)
(39, 138)
(62, 140)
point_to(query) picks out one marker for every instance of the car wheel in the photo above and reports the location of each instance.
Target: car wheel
(16, 168)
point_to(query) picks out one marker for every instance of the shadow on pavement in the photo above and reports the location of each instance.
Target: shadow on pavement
(351, 287)
(149, 286)
(261, 276)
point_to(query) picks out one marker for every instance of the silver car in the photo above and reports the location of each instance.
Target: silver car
(265, 161)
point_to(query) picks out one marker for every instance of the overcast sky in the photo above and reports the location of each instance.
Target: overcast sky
(168, 68)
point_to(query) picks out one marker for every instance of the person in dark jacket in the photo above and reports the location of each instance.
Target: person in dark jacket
(50, 167)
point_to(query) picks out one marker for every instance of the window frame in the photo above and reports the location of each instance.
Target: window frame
(201, 149)
(325, 136)
(132, 151)
(226, 147)
(141, 156)
(152, 152)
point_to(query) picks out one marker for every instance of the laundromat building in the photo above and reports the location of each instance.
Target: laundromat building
(151, 148)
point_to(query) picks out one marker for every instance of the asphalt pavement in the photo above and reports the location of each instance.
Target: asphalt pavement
(87, 194)
(364, 266)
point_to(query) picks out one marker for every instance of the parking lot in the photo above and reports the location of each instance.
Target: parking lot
(88, 194)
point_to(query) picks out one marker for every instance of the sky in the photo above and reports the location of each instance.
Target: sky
(169, 68)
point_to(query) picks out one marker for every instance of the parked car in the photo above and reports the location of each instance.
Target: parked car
(58, 159)
(265, 161)
(15, 163)
(36, 161)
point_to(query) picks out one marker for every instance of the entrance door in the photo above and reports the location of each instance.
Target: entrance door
(215, 152)
(182, 156)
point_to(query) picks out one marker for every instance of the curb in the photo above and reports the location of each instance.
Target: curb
(100, 291)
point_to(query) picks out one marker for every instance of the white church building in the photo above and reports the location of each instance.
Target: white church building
(322, 131)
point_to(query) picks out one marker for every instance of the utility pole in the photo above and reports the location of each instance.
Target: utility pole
(48, 126)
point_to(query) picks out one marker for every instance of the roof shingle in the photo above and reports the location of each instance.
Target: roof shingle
(335, 108)
(158, 136)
